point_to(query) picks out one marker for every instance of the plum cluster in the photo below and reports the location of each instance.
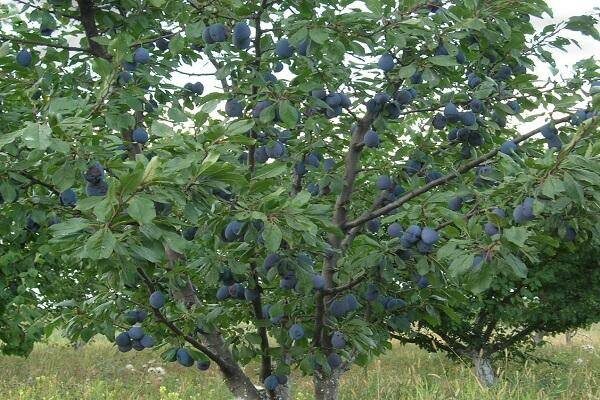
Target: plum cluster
(185, 358)
(391, 106)
(340, 307)
(550, 133)
(135, 338)
(524, 211)
(335, 102)
(422, 238)
(271, 382)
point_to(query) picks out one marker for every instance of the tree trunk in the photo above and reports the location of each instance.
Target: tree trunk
(569, 335)
(284, 392)
(538, 337)
(236, 379)
(484, 370)
(327, 387)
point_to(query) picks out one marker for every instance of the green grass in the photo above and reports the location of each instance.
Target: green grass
(56, 371)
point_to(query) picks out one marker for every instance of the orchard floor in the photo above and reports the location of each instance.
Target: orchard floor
(56, 371)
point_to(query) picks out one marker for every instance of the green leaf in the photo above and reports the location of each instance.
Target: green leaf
(141, 209)
(443, 61)
(300, 199)
(471, 4)
(272, 236)
(9, 137)
(36, 136)
(69, 227)
(102, 67)
(518, 267)
(239, 127)
(573, 189)
(177, 114)
(318, 35)
(552, 187)
(150, 170)
(460, 264)
(170, 355)
(407, 71)
(193, 30)
(270, 171)
(100, 245)
(8, 193)
(517, 235)
(267, 115)
(584, 24)
(288, 114)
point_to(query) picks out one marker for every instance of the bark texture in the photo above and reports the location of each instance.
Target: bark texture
(327, 387)
(484, 370)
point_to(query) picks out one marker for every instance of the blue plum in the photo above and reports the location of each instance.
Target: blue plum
(371, 139)
(296, 332)
(386, 62)
(233, 108)
(157, 299)
(68, 198)
(283, 49)
(140, 135)
(429, 235)
(395, 230)
(24, 58)
(338, 340)
(141, 55)
(184, 358)
(136, 332)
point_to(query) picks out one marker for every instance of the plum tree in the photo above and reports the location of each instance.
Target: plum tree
(558, 294)
(258, 204)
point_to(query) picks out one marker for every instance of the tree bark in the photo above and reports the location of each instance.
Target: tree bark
(569, 335)
(327, 386)
(235, 378)
(484, 370)
(538, 337)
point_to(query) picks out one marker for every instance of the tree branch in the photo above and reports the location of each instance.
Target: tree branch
(46, 44)
(512, 340)
(440, 181)
(44, 184)
(161, 318)
(88, 13)
(266, 366)
(53, 11)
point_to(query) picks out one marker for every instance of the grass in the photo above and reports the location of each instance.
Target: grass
(55, 371)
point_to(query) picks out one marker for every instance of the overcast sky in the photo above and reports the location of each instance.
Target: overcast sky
(563, 9)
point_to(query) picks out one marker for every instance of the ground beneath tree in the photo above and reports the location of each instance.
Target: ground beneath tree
(57, 371)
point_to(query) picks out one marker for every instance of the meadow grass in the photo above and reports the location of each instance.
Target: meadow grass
(56, 371)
